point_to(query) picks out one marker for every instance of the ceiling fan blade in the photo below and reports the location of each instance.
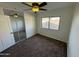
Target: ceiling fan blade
(42, 4)
(43, 9)
(26, 4)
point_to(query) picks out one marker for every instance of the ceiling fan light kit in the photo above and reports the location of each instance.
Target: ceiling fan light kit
(36, 7)
(15, 15)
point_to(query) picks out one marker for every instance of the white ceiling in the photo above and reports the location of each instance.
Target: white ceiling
(21, 7)
(49, 6)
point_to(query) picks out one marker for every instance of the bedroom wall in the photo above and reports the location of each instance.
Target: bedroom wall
(65, 23)
(30, 24)
(1, 11)
(73, 48)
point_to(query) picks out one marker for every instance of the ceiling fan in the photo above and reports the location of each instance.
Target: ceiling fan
(36, 7)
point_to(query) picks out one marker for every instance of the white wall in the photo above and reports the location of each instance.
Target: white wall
(1, 11)
(73, 47)
(30, 24)
(65, 23)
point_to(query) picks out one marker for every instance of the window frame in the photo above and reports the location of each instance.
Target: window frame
(49, 22)
(41, 22)
(59, 22)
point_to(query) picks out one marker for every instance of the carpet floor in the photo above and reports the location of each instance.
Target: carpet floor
(37, 46)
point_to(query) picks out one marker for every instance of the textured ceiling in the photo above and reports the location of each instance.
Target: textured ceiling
(20, 7)
(51, 5)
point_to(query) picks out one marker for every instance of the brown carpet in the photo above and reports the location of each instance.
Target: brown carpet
(37, 46)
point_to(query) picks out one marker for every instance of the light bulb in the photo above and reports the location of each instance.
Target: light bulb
(35, 9)
(15, 15)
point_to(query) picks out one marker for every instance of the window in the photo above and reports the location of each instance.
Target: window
(51, 23)
(54, 23)
(45, 22)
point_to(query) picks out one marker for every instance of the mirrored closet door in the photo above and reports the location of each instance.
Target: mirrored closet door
(18, 27)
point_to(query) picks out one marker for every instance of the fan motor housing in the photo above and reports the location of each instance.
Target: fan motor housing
(35, 4)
